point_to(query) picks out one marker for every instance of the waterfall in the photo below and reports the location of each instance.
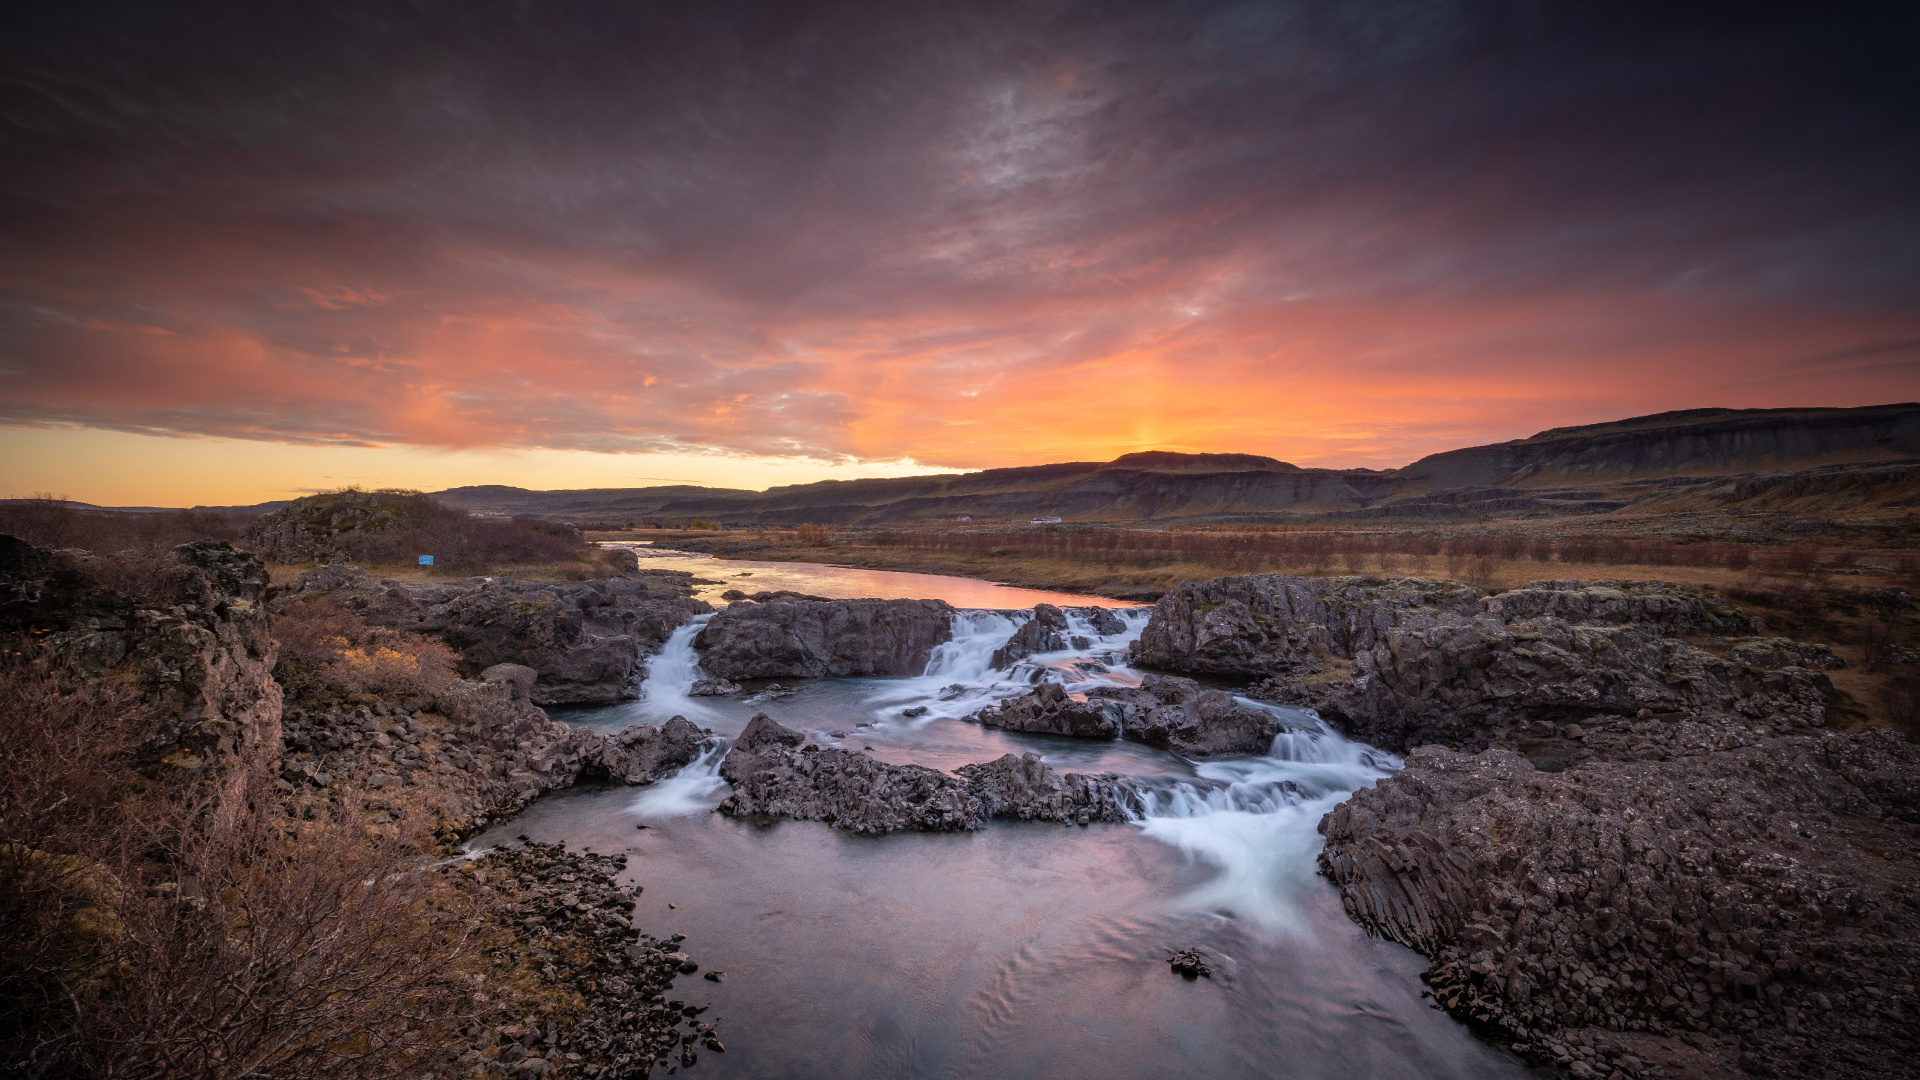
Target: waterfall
(671, 672)
(1257, 820)
(689, 791)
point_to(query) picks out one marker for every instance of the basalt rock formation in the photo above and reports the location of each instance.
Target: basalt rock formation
(1166, 711)
(823, 638)
(189, 628)
(1045, 632)
(584, 639)
(1646, 838)
(478, 752)
(775, 772)
(1403, 662)
(1748, 881)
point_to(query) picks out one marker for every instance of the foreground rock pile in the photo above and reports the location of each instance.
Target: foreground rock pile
(478, 751)
(1166, 711)
(775, 772)
(586, 994)
(1652, 842)
(583, 639)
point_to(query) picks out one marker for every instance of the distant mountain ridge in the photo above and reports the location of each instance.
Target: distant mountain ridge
(1861, 457)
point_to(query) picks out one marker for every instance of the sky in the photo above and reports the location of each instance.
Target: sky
(252, 250)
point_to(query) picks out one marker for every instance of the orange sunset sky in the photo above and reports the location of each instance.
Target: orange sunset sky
(266, 250)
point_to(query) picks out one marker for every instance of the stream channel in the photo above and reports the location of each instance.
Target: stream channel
(1023, 950)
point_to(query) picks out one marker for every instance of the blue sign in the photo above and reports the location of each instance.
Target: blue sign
(426, 560)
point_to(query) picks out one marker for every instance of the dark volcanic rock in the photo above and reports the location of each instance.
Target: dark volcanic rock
(1040, 634)
(583, 638)
(1739, 880)
(1048, 710)
(188, 628)
(823, 638)
(1401, 662)
(713, 688)
(1166, 711)
(774, 776)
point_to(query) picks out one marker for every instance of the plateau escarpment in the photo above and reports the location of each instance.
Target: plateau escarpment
(1643, 826)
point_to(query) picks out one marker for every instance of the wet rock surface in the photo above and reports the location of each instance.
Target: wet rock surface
(1167, 711)
(1045, 632)
(573, 939)
(775, 773)
(823, 638)
(584, 639)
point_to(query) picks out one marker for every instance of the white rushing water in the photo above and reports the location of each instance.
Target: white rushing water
(672, 671)
(1252, 819)
(1258, 821)
(689, 791)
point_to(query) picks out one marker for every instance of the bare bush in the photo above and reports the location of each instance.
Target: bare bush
(142, 934)
(1901, 700)
(325, 647)
(49, 522)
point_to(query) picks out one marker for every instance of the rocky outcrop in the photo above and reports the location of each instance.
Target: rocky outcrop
(1050, 710)
(585, 639)
(1746, 884)
(823, 638)
(1402, 662)
(1165, 711)
(478, 752)
(776, 773)
(1045, 632)
(188, 627)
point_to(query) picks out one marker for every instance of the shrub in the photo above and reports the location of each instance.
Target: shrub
(50, 523)
(325, 647)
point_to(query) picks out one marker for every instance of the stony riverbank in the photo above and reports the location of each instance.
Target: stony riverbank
(584, 992)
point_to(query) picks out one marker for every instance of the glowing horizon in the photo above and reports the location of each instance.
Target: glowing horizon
(246, 256)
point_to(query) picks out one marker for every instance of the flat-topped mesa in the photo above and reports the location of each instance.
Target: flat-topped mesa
(1166, 711)
(1400, 662)
(823, 638)
(584, 639)
(775, 772)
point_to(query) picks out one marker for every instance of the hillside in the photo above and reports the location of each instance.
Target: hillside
(1836, 460)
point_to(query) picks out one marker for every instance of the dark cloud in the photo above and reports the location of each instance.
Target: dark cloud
(845, 230)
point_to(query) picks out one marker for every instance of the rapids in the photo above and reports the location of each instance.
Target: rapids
(1021, 950)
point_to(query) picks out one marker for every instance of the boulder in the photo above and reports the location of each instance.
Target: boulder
(583, 639)
(774, 774)
(823, 638)
(1166, 711)
(1041, 634)
(1049, 710)
(713, 688)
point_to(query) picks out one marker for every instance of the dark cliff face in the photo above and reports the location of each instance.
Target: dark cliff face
(190, 628)
(1706, 441)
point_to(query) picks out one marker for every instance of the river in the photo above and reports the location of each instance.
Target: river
(1022, 950)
